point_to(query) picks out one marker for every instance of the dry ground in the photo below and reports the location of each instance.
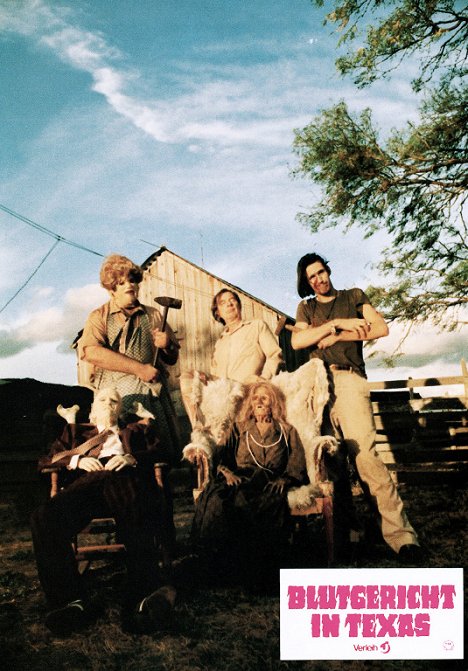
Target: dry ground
(215, 627)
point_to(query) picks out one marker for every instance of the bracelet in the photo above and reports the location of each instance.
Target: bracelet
(333, 330)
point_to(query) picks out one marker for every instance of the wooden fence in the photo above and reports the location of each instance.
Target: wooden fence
(421, 439)
(422, 435)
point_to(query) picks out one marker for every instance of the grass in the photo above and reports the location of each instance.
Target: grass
(215, 626)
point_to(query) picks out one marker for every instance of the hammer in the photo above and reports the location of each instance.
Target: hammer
(167, 302)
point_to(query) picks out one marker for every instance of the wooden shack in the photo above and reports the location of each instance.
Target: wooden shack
(167, 274)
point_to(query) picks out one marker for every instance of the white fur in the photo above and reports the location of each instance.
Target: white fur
(219, 402)
(68, 414)
(307, 393)
(201, 440)
(303, 497)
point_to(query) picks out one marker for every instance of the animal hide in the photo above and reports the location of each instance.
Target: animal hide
(218, 403)
(307, 393)
(200, 440)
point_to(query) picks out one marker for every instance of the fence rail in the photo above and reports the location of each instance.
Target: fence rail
(421, 439)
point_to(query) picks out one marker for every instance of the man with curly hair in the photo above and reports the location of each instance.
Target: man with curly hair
(119, 341)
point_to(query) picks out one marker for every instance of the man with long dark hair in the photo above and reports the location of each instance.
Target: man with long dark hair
(333, 324)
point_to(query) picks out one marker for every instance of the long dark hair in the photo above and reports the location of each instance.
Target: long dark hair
(303, 287)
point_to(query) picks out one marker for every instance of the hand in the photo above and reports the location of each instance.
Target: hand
(361, 326)
(161, 339)
(89, 464)
(119, 461)
(276, 486)
(203, 377)
(231, 478)
(193, 454)
(147, 373)
(328, 341)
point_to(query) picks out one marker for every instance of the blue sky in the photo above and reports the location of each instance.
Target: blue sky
(169, 122)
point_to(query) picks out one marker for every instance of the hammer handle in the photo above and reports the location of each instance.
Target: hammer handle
(163, 326)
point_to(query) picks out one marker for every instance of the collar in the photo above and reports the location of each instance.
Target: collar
(242, 323)
(329, 301)
(114, 428)
(251, 425)
(114, 308)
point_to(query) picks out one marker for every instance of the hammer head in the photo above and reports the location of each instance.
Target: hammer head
(168, 302)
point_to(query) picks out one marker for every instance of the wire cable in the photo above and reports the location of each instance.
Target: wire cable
(45, 230)
(31, 276)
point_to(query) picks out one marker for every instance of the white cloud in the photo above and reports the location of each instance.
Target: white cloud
(426, 351)
(277, 96)
(43, 362)
(222, 167)
(58, 324)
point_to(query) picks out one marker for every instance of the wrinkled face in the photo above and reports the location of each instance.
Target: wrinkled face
(106, 407)
(125, 293)
(318, 278)
(228, 307)
(261, 403)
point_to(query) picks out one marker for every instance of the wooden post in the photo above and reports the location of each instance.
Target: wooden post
(465, 379)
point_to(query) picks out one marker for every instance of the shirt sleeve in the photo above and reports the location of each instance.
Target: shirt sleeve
(73, 465)
(301, 313)
(94, 332)
(271, 350)
(359, 299)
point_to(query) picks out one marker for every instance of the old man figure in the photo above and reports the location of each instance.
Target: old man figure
(113, 475)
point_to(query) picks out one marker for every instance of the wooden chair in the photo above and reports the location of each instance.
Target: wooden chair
(323, 504)
(86, 553)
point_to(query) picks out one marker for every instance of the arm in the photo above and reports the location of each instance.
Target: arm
(94, 349)
(271, 350)
(101, 356)
(305, 335)
(296, 470)
(226, 459)
(374, 327)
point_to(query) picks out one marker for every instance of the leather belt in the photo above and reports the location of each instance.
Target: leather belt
(334, 367)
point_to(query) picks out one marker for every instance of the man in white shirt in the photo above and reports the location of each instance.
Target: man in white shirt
(246, 351)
